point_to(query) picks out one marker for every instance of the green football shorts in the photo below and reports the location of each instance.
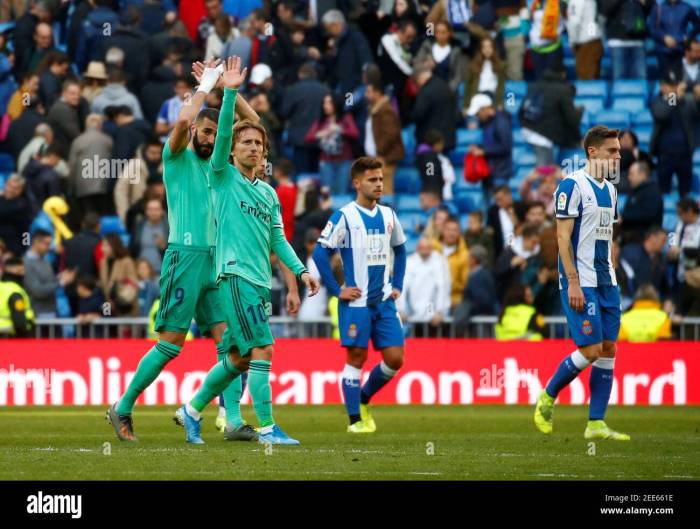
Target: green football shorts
(188, 289)
(247, 308)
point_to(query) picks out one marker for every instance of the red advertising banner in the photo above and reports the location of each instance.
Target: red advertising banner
(82, 372)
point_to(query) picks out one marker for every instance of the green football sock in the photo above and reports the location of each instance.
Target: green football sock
(260, 391)
(232, 395)
(218, 379)
(147, 371)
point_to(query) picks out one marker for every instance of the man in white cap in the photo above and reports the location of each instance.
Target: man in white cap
(261, 76)
(497, 140)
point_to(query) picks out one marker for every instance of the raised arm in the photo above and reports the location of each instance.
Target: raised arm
(207, 75)
(233, 77)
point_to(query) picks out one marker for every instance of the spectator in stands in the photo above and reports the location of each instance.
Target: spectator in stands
(501, 218)
(486, 74)
(518, 260)
(260, 102)
(450, 62)
(557, 121)
(131, 184)
(16, 314)
(477, 234)
(497, 140)
(585, 37)
(673, 137)
(394, 58)
(684, 249)
(434, 107)
(630, 152)
(90, 301)
(454, 249)
(545, 40)
(431, 203)
(645, 205)
(28, 133)
(242, 45)
(43, 44)
(480, 292)
(159, 87)
(264, 37)
(94, 81)
(301, 106)
(644, 262)
(289, 52)
(458, 13)
(671, 23)
(130, 133)
(645, 321)
(53, 72)
(148, 286)
(519, 319)
(334, 133)
(80, 251)
(117, 94)
(16, 213)
(118, 278)
(315, 214)
(427, 286)
(90, 168)
(23, 36)
(223, 31)
(150, 238)
(313, 308)
(154, 190)
(434, 168)
(40, 280)
(64, 118)
(382, 136)
(133, 42)
(626, 31)
(28, 89)
(539, 186)
(91, 33)
(207, 25)
(347, 53)
(287, 193)
(513, 16)
(170, 109)
(42, 179)
(691, 64)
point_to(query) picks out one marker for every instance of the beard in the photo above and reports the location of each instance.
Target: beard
(203, 150)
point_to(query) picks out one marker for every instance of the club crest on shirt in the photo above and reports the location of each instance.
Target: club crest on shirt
(327, 230)
(561, 201)
(586, 327)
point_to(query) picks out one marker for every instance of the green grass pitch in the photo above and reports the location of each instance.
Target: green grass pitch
(412, 442)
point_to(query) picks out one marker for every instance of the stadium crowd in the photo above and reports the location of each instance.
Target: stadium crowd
(476, 108)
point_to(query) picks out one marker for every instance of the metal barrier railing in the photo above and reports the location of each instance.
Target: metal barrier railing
(287, 327)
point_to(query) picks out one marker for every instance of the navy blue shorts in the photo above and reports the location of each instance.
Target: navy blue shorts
(600, 318)
(379, 322)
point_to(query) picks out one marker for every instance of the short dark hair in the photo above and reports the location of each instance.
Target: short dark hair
(362, 164)
(116, 76)
(212, 114)
(654, 230)
(376, 86)
(644, 167)
(477, 213)
(118, 248)
(452, 219)
(688, 204)
(91, 221)
(530, 230)
(187, 79)
(502, 187)
(535, 204)
(433, 137)
(124, 110)
(597, 135)
(403, 23)
(285, 166)
(69, 82)
(40, 234)
(87, 281)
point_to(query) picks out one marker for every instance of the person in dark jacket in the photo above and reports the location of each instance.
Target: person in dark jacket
(23, 34)
(671, 24)
(130, 133)
(22, 129)
(347, 55)
(673, 136)
(501, 218)
(428, 163)
(434, 107)
(625, 31)
(16, 213)
(91, 33)
(159, 88)
(64, 118)
(480, 291)
(301, 106)
(645, 205)
(497, 139)
(559, 122)
(644, 262)
(630, 152)
(52, 74)
(41, 176)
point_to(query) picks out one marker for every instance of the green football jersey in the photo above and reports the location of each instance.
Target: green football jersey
(190, 212)
(248, 214)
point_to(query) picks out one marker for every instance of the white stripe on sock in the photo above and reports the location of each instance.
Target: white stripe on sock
(605, 363)
(351, 372)
(192, 412)
(580, 361)
(386, 369)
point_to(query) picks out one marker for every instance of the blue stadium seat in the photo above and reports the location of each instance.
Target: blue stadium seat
(407, 202)
(412, 220)
(696, 156)
(7, 163)
(642, 118)
(655, 90)
(643, 133)
(621, 201)
(523, 156)
(463, 202)
(341, 199)
(630, 88)
(518, 139)
(411, 244)
(670, 202)
(670, 221)
(112, 224)
(457, 155)
(633, 105)
(406, 180)
(616, 119)
(518, 88)
(591, 104)
(409, 143)
(466, 137)
(597, 89)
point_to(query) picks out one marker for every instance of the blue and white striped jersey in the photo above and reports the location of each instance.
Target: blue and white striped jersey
(365, 240)
(594, 206)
